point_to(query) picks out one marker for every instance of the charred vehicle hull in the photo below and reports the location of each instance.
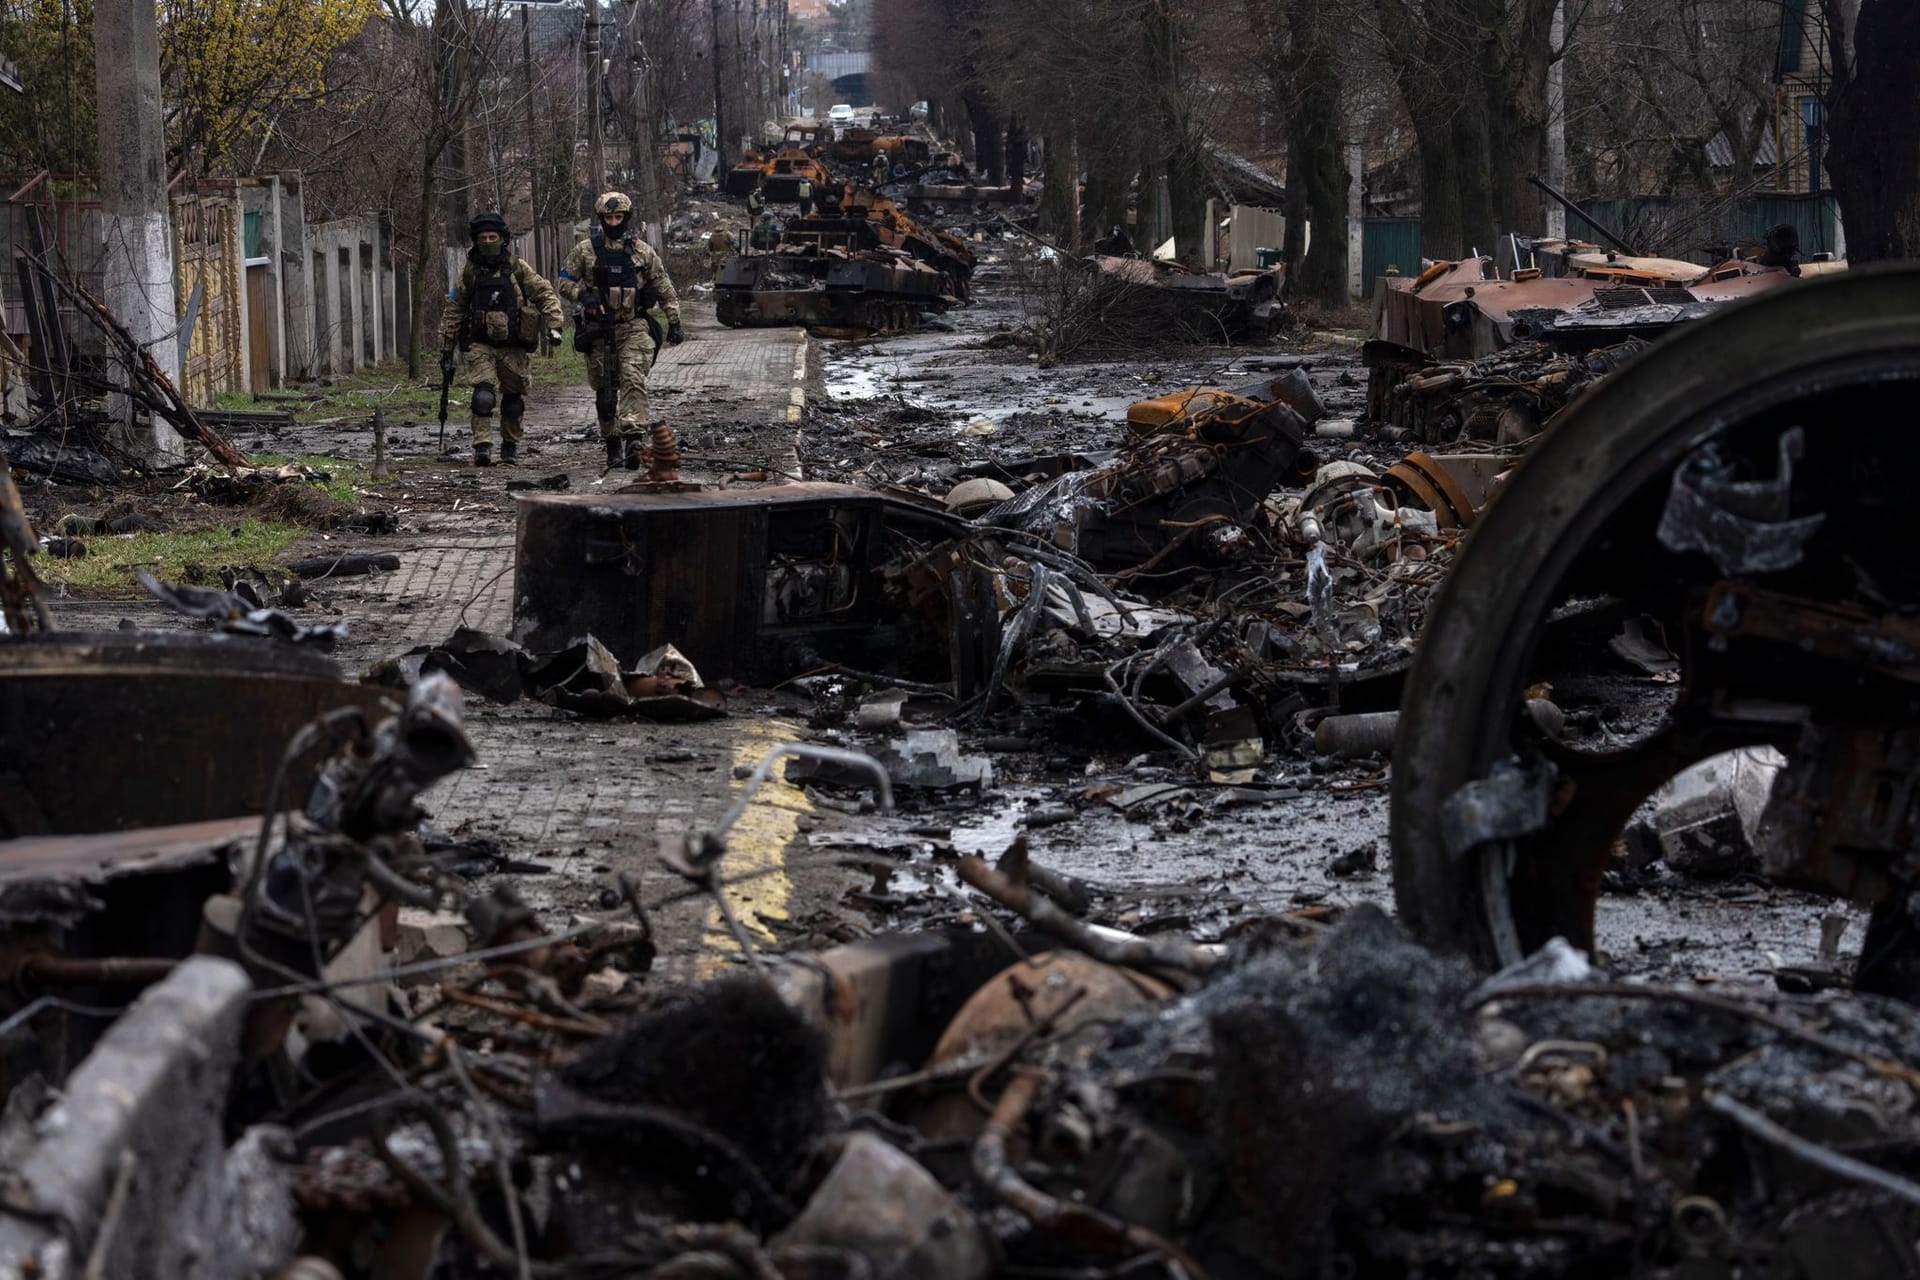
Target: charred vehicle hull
(1455, 348)
(876, 291)
(863, 266)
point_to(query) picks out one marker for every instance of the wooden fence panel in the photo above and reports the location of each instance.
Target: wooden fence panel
(207, 257)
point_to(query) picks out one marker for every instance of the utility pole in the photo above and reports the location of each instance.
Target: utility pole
(533, 138)
(787, 86)
(133, 197)
(719, 104)
(596, 143)
(763, 100)
(640, 131)
(456, 201)
(741, 75)
(1557, 119)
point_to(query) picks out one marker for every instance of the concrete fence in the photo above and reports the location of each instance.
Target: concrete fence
(265, 298)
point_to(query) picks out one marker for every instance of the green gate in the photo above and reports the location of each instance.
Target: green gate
(1384, 243)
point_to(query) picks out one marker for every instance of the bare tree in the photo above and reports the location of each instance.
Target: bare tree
(1473, 77)
(449, 45)
(1874, 113)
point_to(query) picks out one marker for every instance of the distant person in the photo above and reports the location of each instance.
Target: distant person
(766, 234)
(1781, 248)
(880, 168)
(1116, 243)
(496, 308)
(804, 194)
(719, 249)
(756, 203)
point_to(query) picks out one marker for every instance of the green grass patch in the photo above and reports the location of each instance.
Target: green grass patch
(345, 475)
(111, 561)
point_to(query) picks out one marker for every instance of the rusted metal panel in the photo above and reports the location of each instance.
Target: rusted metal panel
(107, 731)
(1456, 311)
(97, 859)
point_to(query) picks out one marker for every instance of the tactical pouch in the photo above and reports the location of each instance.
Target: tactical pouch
(496, 329)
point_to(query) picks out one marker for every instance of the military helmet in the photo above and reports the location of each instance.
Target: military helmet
(488, 221)
(612, 202)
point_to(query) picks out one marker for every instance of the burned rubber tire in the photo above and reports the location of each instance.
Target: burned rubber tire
(1589, 476)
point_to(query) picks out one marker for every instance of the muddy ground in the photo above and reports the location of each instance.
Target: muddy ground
(584, 802)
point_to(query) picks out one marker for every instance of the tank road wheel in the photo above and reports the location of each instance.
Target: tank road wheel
(1747, 486)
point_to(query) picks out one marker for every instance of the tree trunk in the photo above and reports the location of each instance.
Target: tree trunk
(1873, 117)
(1182, 157)
(1316, 166)
(1105, 206)
(1516, 61)
(1016, 154)
(1480, 121)
(989, 151)
(423, 237)
(1060, 197)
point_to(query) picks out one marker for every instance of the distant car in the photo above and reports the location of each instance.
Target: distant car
(840, 113)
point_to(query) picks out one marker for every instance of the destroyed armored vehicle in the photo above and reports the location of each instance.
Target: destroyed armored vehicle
(1237, 306)
(1460, 353)
(790, 167)
(745, 178)
(1739, 492)
(859, 264)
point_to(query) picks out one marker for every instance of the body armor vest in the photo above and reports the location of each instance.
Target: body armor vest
(617, 279)
(493, 306)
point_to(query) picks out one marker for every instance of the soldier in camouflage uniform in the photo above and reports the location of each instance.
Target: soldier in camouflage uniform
(497, 307)
(615, 278)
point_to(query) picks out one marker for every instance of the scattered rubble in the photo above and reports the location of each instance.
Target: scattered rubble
(331, 1041)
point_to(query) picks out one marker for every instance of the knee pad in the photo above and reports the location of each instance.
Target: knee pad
(482, 399)
(511, 405)
(606, 400)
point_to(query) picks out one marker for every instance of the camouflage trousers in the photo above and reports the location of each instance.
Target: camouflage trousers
(510, 370)
(631, 359)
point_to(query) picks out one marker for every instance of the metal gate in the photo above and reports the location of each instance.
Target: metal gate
(1388, 243)
(207, 250)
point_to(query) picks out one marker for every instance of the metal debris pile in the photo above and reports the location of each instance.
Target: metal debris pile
(1505, 398)
(419, 1078)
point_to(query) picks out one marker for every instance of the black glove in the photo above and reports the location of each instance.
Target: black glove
(553, 335)
(590, 302)
(675, 334)
(446, 364)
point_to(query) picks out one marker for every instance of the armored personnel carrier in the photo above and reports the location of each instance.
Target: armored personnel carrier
(859, 264)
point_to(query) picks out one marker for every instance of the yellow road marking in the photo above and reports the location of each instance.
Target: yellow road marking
(758, 841)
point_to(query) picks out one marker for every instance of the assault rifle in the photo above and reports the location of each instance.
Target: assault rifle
(446, 385)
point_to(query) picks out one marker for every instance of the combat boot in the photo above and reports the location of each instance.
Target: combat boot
(616, 450)
(634, 448)
(509, 452)
(483, 455)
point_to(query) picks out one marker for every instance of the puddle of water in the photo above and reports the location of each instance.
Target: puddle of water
(989, 834)
(857, 380)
